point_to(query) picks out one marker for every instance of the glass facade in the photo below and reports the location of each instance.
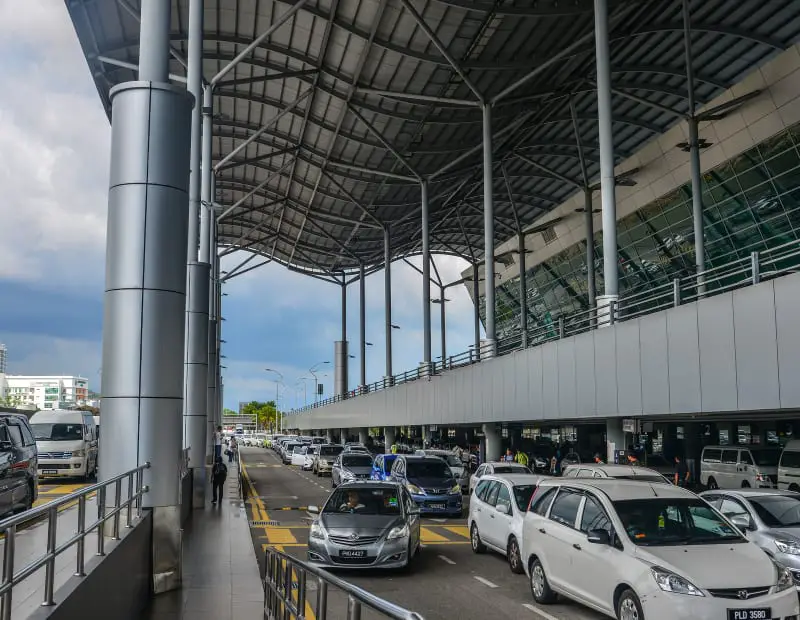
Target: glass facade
(750, 203)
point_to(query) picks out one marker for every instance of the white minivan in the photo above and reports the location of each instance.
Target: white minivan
(789, 467)
(67, 443)
(739, 467)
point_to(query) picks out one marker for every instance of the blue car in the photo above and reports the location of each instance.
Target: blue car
(382, 467)
(431, 484)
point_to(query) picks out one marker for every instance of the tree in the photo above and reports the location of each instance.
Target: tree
(11, 400)
(227, 412)
(265, 413)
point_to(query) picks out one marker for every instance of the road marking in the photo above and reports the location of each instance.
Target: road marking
(538, 611)
(486, 582)
(459, 530)
(439, 520)
(447, 560)
(429, 536)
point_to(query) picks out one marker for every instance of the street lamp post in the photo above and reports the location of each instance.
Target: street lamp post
(277, 411)
(313, 371)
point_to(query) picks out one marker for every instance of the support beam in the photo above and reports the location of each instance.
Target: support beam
(523, 290)
(244, 271)
(488, 229)
(254, 191)
(477, 309)
(588, 218)
(134, 67)
(362, 322)
(426, 277)
(379, 136)
(445, 101)
(387, 298)
(207, 177)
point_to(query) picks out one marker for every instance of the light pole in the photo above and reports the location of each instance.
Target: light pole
(277, 412)
(313, 371)
(443, 300)
(305, 389)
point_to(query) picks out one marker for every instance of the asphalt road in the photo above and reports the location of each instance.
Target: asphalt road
(447, 582)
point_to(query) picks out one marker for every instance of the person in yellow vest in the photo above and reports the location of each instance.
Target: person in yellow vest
(521, 458)
(394, 448)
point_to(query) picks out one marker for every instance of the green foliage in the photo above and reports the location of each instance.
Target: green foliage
(265, 413)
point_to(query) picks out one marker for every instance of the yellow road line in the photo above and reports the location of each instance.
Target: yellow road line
(429, 536)
(280, 536)
(459, 530)
(259, 511)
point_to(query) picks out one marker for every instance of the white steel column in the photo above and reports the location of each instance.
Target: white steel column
(362, 315)
(197, 294)
(341, 360)
(145, 289)
(523, 291)
(588, 218)
(387, 298)
(607, 181)
(426, 280)
(488, 231)
(477, 309)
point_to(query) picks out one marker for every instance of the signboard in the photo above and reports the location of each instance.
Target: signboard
(628, 425)
(320, 389)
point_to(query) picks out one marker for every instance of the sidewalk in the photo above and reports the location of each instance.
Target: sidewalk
(220, 572)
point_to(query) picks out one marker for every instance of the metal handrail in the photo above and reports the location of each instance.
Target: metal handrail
(285, 592)
(50, 510)
(738, 273)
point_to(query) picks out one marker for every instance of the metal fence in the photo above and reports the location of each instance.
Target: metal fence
(287, 583)
(49, 512)
(774, 262)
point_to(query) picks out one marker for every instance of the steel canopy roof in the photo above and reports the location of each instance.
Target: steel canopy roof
(343, 163)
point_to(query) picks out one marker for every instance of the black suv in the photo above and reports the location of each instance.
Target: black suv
(18, 479)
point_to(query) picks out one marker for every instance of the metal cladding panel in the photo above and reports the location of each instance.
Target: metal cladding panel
(475, 405)
(567, 405)
(163, 336)
(605, 365)
(120, 337)
(654, 363)
(717, 354)
(160, 442)
(629, 372)
(536, 383)
(585, 397)
(522, 406)
(684, 359)
(550, 380)
(756, 347)
(489, 377)
(508, 386)
(503, 398)
(166, 234)
(125, 236)
(787, 320)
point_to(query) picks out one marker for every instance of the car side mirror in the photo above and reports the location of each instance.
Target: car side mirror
(502, 509)
(743, 522)
(599, 537)
(6, 446)
(314, 510)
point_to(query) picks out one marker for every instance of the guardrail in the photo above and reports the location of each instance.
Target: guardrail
(50, 511)
(774, 262)
(286, 585)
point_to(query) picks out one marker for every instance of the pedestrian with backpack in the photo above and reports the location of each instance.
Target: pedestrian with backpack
(218, 474)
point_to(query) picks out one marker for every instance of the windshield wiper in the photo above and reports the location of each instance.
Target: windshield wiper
(714, 540)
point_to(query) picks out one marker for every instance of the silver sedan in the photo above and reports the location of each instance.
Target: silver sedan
(365, 525)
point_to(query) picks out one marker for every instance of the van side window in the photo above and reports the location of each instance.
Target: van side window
(594, 517)
(745, 458)
(790, 459)
(16, 434)
(4, 433)
(730, 456)
(27, 435)
(712, 456)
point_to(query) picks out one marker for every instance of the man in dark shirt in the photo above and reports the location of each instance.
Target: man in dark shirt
(681, 476)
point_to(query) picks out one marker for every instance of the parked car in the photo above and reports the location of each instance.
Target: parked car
(66, 441)
(620, 472)
(496, 513)
(430, 482)
(768, 517)
(299, 455)
(789, 466)
(323, 462)
(19, 480)
(308, 458)
(455, 464)
(349, 467)
(633, 549)
(736, 467)
(365, 525)
(501, 467)
(287, 450)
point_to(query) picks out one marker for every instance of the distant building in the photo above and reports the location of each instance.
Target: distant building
(46, 392)
(3, 358)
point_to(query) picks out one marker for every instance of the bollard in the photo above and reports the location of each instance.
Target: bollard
(80, 567)
(50, 567)
(8, 570)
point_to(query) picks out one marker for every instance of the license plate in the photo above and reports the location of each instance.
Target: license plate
(437, 506)
(763, 613)
(49, 472)
(353, 553)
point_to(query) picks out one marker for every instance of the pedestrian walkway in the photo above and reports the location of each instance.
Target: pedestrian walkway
(220, 572)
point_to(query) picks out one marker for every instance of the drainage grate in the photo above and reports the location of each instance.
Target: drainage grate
(264, 523)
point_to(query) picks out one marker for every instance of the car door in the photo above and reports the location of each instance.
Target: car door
(412, 512)
(475, 478)
(485, 507)
(18, 476)
(561, 534)
(6, 463)
(499, 523)
(593, 578)
(728, 476)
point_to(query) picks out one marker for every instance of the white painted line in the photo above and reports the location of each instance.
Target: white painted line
(539, 611)
(447, 560)
(439, 520)
(486, 582)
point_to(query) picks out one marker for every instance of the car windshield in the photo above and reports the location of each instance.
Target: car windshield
(300, 450)
(777, 510)
(356, 460)
(522, 495)
(428, 469)
(511, 469)
(57, 432)
(766, 458)
(674, 521)
(330, 450)
(364, 501)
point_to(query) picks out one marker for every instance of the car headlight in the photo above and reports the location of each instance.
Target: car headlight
(401, 531)
(413, 489)
(785, 580)
(346, 475)
(79, 453)
(790, 547)
(317, 531)
(456, 489)
(670, 582)
(323, 462)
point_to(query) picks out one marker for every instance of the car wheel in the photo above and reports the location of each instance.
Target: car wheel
(712, 484)
(333, 484)
(629, 607)
(794, 487)
(514, 557)
(475, 539)
(540, 588)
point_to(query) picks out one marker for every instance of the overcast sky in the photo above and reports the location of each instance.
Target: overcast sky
(54, 145)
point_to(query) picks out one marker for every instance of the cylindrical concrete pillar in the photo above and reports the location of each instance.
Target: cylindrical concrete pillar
(494, 445)
(363, 435)
(343, 436)
(330, 435)
(340, 367)
(390, 437)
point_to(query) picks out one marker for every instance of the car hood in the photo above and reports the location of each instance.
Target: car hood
(737, 565)
(783, 533)
(368, 525)
(432, 483)
(359, 471)
(458, 472)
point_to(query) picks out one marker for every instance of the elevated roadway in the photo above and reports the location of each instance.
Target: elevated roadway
(447, 582)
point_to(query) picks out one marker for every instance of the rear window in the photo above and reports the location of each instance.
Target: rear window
(428, 469)
(510, 469)
(712, 456)
(330, 450)
(356, 460)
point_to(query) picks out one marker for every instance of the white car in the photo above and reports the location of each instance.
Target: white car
(636, 550)
(500, 467)
(310, 455)
(299, 455)
(620, 472)
(496, 512)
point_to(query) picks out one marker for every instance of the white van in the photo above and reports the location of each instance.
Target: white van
(739, 467)
(67, 443)
(789, 466)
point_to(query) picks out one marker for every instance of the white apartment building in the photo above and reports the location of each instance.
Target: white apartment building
(46, 392)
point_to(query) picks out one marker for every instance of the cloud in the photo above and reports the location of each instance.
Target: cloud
(37, 354)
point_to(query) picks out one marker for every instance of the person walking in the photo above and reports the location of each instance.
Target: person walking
(232, 447)
(681, 475)
(218, 475)
(218, 444)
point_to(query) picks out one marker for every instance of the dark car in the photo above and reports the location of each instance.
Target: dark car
(349, 467)
(430, 482)
(18, 462)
